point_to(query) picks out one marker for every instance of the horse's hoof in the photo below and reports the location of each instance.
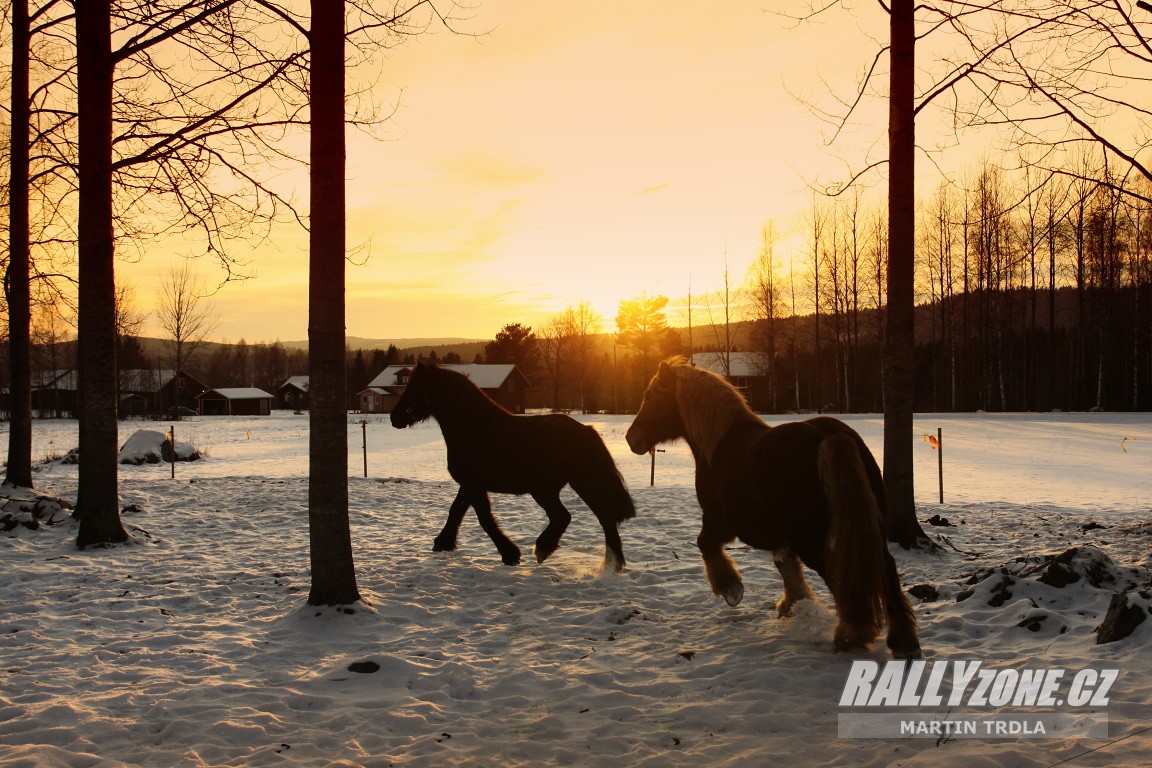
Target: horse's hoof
(443, 546)
(510, 558)
(734, 594)
(907, 653)
(544, 552)
(612, 563)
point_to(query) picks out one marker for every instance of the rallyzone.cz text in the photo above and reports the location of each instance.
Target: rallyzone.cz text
(967, 684)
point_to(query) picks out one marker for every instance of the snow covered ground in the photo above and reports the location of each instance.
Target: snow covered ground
(192, 645)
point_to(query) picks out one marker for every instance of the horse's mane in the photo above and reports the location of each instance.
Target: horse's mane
(709, 405)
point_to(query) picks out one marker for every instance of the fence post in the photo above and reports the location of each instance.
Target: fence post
(364, 440)
(172, 447)
(652, 475)
(940, 460)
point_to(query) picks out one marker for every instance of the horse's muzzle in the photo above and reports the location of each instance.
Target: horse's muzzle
(637, 441)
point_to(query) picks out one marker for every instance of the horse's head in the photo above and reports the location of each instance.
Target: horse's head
(659, 418)
(415, 404)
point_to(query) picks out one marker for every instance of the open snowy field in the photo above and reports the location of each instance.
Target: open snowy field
(192, 645)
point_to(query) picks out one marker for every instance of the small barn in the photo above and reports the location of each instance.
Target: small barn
(293, 394)
(235, 401)
(377, 399)
(504, 383)
(133, 404)
(55, 394)
(144, 391)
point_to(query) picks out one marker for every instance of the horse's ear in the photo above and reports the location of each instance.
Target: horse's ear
(665, 372)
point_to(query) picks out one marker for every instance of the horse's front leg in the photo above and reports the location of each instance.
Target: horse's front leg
(721, 571)
(509, 552)
(795, 587)
(446, 540)
(558, 519)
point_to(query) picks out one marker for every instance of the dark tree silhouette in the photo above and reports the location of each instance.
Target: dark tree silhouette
(16, 278)
(515, 343)
(37, 130)
(96, 498)
(333, 570)
(900, 340)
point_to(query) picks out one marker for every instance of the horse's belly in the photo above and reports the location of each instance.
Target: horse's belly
(497, 476)
(757, 529)
(771, 512)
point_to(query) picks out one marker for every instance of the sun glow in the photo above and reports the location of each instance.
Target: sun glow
(555, 160)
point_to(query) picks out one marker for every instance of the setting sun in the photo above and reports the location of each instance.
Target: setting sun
(559, 154)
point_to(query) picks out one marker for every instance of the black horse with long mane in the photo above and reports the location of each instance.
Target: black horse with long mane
(492, 450)
(809, 491)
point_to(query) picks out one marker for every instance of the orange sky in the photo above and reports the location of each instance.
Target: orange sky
(577, 151)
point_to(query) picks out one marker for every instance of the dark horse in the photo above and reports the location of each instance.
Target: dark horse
(490, 449)
(810, 492)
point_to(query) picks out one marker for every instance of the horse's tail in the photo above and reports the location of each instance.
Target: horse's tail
(860, 569)
(597, 481)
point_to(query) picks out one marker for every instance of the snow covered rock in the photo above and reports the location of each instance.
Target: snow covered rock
(1086, 562)
(148, 446)
(1126, 611)
(32, 511)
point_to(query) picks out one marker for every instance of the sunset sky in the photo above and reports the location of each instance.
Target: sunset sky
(574, 151)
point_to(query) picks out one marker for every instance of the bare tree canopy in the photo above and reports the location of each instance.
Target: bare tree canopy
(1057, 76)
(185, 314)
(1065, 75)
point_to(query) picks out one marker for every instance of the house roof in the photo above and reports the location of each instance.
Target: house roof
(300, 382)
(482, 375)
(58, 379)
(238, 393)
(148, 380)
(739, 363)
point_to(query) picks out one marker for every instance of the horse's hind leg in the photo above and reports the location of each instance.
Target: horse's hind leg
(558, 519)
(446, 540)
(613, 547)
(509, 552)
(795, 587)
(719, 568)
(902, 640)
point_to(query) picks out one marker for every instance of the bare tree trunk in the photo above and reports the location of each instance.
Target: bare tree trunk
(97, 502)
(333, 571)
(16, 286)
(903, 527)
(817, 240)
(1051, 234)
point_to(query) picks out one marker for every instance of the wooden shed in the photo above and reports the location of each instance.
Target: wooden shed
(293, 393)
(235, 401)
(162, 390)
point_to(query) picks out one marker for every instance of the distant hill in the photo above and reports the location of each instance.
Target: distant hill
(152, 345)
(359, 342)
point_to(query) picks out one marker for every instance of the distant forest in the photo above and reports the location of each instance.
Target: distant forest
(1014, 349)
(1035, 294)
